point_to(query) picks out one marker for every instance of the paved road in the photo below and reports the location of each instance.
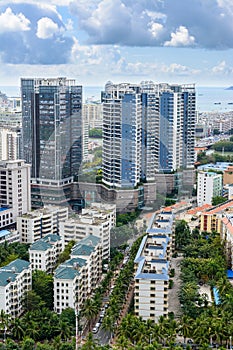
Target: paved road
(173, 299)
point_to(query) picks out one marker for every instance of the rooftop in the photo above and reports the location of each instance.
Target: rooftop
(16, 266)
(45, 243)
(220, 207)
(4, 233)
(69, 269)
(6, 277)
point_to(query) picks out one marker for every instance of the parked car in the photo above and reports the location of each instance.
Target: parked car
(96, 328)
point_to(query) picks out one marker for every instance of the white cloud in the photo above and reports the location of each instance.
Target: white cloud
(46, 28)
(10, 22)
(180, 38)
(222, 68)
(155, 29)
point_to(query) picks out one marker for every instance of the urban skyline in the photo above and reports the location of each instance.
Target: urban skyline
(160, 40)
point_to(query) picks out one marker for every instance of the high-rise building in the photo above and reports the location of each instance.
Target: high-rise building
(52, 136)
(9, 144)
(15, 192)
(177, 127)
(122, 123)
(147, 128)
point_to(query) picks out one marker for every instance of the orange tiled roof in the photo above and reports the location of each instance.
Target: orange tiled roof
(221, 207)
(228, 224)
(175, 206)
(204, 207)
(200, 148)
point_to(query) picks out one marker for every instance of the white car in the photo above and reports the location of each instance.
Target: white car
(96, 328)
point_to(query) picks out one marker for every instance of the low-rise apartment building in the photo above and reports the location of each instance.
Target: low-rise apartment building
(76, 279)
(152, 268)
(96, 220)
(211, 219)
(38, 223)
(15, 281)
(209, 185)
(44, 253)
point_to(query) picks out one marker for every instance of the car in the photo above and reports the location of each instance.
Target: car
(96, 328)
(102, 314)
(106, 305)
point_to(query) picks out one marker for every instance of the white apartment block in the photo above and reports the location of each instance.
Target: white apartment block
(15, 190)
(74, 280)
(38, 223)
(96, 220)
(90, 249)
(9, 144)
(15, 280)
(209, 185)
(44, 253)
(152, 268)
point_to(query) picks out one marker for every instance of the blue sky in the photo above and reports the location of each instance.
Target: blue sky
(93, 41)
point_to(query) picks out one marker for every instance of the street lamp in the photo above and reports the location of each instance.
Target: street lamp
(76, 327)
(5, 329)
(150, 338)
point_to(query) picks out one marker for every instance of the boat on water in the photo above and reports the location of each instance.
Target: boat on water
(230, 103)
(217, 103)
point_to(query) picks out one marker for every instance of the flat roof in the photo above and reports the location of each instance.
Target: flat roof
(4, 208)
(4, 233)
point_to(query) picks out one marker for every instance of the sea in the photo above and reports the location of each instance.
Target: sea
(208, 99)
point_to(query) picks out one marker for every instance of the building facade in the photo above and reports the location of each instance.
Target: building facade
(147, 128)
(9, 144)
(15, 191)
(44, 253)
(52, 136)
(152, 268)
(76, 279)
(36, 224)
(98, 219)
(209, 185)
(15, 281)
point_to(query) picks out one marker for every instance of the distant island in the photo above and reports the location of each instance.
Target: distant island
(229, 88)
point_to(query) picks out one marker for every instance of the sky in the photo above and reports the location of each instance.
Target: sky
(94, 41)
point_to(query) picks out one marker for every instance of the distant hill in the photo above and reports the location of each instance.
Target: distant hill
(229, 88)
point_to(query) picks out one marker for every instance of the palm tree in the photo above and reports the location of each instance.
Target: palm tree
(108, 325)
(89, 311)
(57, 342)
(185, 327)
(17, 329)
(65, 330)
(90, 343)
(122, 343)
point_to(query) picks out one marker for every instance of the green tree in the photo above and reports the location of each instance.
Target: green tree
(90, 311)
(17, 329)
(182, 234)
(32, 301)
(42, 285)
(28, 344)
(218, 200)
(95, 133)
